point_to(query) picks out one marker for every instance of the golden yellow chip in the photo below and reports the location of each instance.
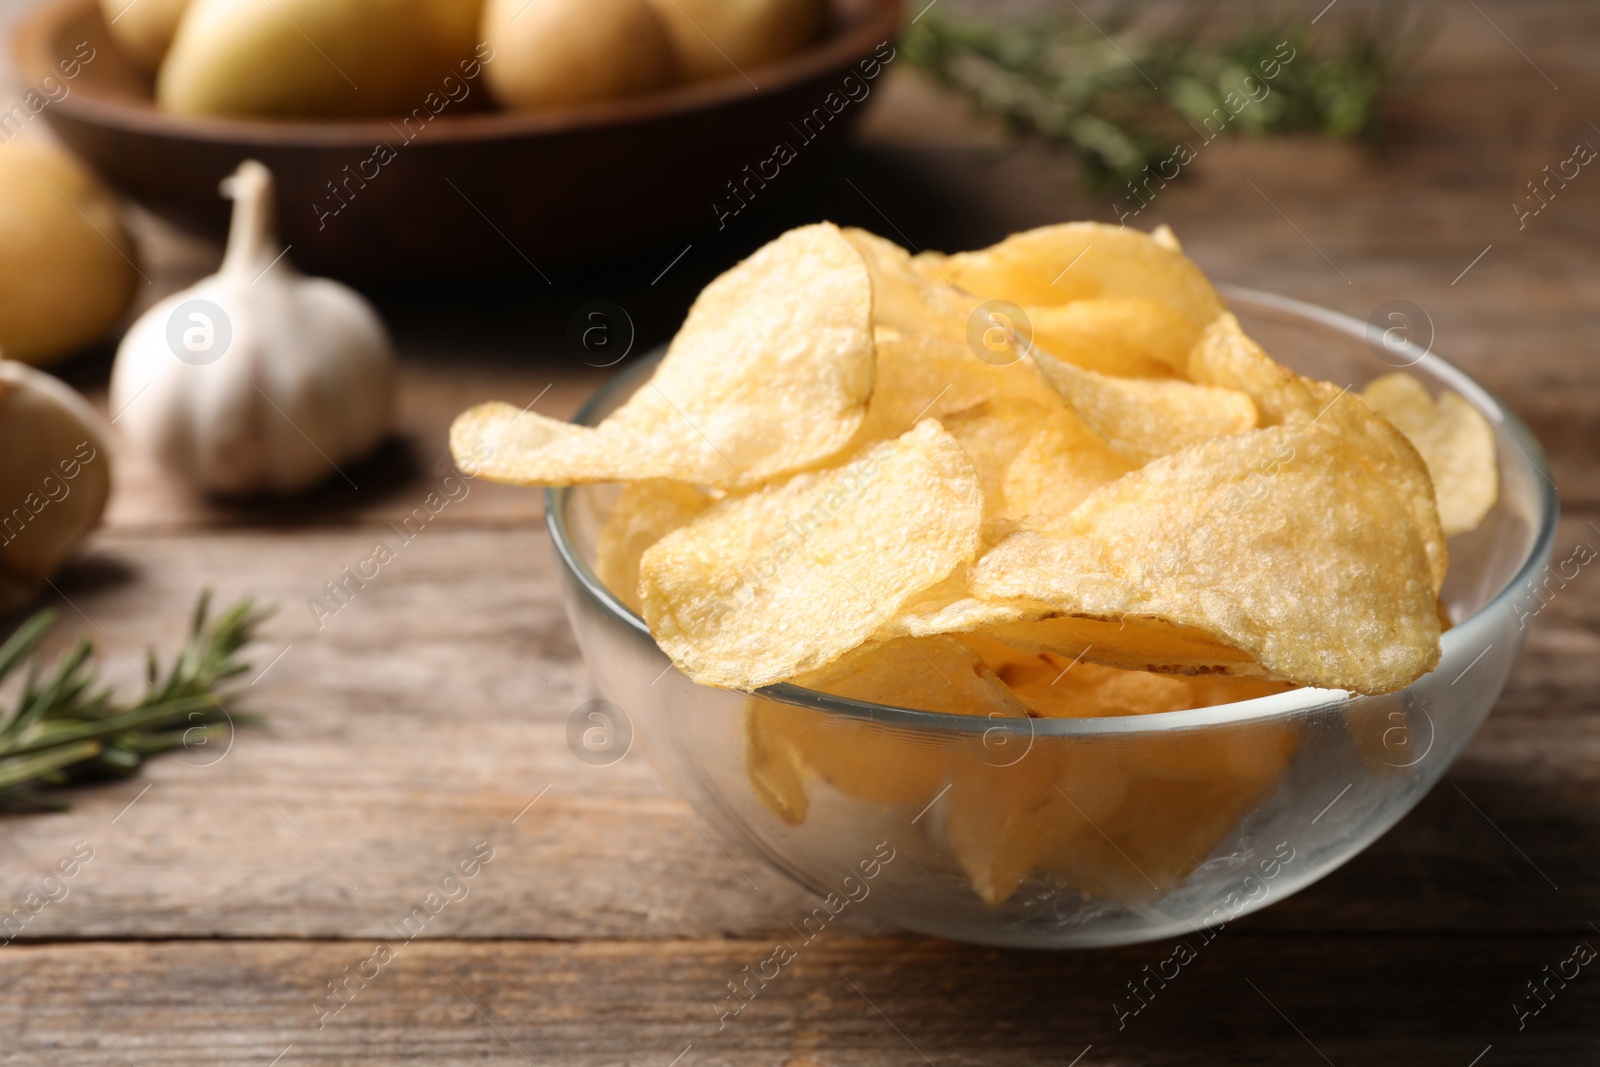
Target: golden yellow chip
(1284, 544)
(785, 745)
(770, 374)
(1062, 463)
(1144, 418)
(645, 512)
(906, 299)
(928, 673)
(1455, 440)
(1084, 261)
(787, 579)
(933, 376)
(1225, 356)
(994, 433)
(1131, 338)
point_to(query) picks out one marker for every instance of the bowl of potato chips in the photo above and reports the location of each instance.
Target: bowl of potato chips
(1020, 596)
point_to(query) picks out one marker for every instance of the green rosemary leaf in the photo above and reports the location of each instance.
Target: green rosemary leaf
(1123, 102)
(15, 772)
(67, 726)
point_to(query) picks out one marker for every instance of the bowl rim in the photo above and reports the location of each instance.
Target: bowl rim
(854, 35)
(1295, 702)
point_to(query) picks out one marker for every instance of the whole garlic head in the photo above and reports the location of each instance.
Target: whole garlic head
(256, 378)
(55, 477)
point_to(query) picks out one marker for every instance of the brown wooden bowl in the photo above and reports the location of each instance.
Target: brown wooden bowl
(471, 190)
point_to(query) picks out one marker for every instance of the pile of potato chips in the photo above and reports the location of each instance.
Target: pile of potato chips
(1049, 479)
(1063, 445)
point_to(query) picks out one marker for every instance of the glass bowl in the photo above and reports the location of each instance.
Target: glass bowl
(1082, 832)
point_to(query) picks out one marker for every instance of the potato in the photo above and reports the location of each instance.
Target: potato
(552, 52)
(66, 263)
(143, 28)
(316, 58)
(723, 38)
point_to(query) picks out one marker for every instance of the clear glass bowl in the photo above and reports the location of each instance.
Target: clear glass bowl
(1082, 832)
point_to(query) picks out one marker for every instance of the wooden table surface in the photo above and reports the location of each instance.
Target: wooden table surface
(223, 896)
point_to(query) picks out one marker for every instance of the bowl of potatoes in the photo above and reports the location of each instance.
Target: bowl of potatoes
(427, 137)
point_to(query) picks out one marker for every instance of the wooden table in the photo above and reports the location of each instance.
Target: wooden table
(426, 716)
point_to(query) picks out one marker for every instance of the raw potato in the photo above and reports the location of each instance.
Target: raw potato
(55, 477)
(786, 580)
(316, 58)
(553, 52)
(66, 263)
(770, 374)
(727, 38)
(1455, 440)
(143, 28)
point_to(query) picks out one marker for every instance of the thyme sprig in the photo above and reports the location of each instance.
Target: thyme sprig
(67, 726)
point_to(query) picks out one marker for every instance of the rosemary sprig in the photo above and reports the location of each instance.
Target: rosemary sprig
(67, 726)
(1122, 102)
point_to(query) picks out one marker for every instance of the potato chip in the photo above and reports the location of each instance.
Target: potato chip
(769, 374)
(644, 513)
(1003, 821)
(993, 434)
(787, 579)
(1084, 261)
(1142, 418)
(1062, 463)
(908, 300)
(932, 376)
(1285, 544)
(928, 673)
(786, 745)
(1129, 338)
(1225, 356)
(789, 749)
(1455, 440)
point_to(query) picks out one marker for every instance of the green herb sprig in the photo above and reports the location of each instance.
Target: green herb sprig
(1121, 100)
(67, 726)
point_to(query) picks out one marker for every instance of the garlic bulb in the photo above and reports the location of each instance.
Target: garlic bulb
(257, 378)
(55, 476)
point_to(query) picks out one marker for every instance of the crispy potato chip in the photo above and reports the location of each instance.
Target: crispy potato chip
(1285, 544)
(788, 749)
(907, 299)
(1062, 463)
(645, 513)
(787, 579)
(1131, 643)
(928, 673)
(786, 744)
(1142, 419)
(1129, 338)
(1163, 236)
(769, 374)
(1084, 261)
(1225, 356)
(1004, 821)
(994, 433)
(930, 376)
(1456, 442)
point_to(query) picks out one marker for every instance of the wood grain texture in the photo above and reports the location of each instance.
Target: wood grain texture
(422, 718)
(1243, 999)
